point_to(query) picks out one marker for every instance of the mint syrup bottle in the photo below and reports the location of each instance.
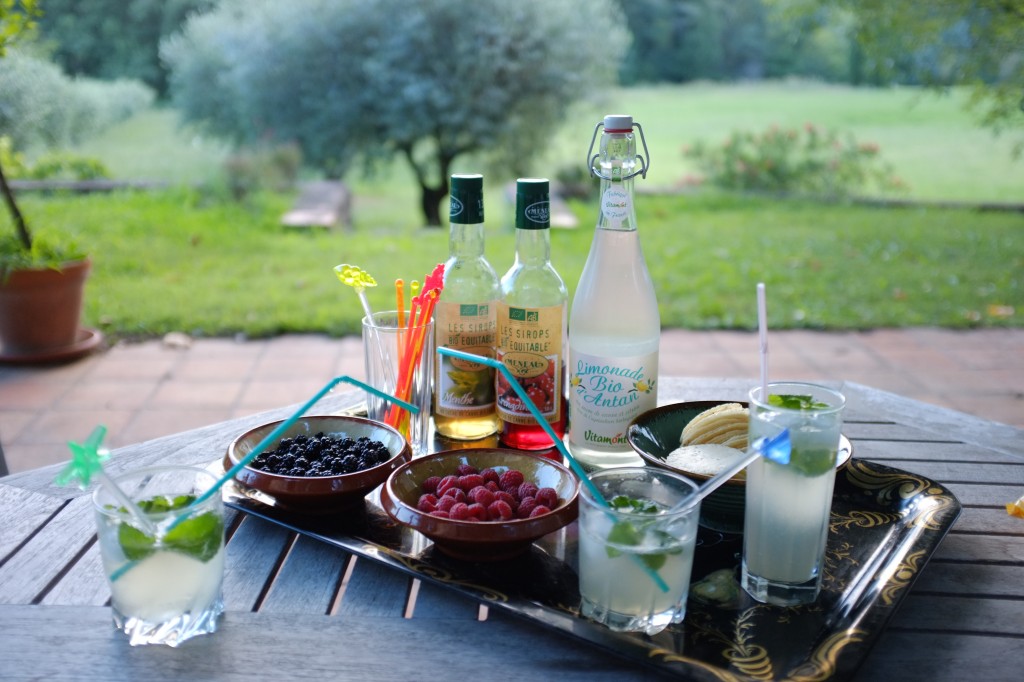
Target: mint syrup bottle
(614, 325)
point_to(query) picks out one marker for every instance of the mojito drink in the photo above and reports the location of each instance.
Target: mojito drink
(165, 580)
(636, 553)
(787, 505)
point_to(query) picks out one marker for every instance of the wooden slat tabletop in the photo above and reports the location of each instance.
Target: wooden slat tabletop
(301, 609)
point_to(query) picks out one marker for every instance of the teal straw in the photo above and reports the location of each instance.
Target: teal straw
(263, 444)
(573, 464)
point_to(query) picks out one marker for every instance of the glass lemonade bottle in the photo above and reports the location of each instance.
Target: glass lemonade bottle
(615, 328)
(532, 326)
(465, 319)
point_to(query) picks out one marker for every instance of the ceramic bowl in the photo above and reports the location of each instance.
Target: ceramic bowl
(319, 494)
(488, 540)
(655, 434)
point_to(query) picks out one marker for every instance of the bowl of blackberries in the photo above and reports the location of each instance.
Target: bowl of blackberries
(482, 504)
(321, 464)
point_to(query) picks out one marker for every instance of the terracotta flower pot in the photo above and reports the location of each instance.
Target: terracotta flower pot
(40, 309)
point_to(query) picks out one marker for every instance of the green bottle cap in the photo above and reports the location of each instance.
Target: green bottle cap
(467, 199)
(533, 204)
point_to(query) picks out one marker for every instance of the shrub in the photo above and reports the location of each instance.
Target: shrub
(276, 168)
(810, 160)
(54, 165)
(39, 104)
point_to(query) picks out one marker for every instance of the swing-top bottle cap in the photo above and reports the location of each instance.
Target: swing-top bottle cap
(533, 199)
(618, 123)
(467, 199)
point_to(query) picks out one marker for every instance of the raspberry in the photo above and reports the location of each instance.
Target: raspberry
(466, 469)
(446, 503)
(492, 486)
(459, 512)
(526, 506)
(548, 497)
(489, 475)
(478, 511)
(430, 485)
(500, 511)
(538, 396)
(481, 495)
(539, 510)
(440, 514)
(446, 483)
(507, 498)
(470, 481)
(510, 478)
(527, 490)
(458, 493)
(427, 503)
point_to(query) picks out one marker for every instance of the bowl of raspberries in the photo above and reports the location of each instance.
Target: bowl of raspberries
(321, 464)
(482, 504)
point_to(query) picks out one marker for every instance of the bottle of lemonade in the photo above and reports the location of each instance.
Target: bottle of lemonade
(531, 326)
(615, 327)
(465, 319)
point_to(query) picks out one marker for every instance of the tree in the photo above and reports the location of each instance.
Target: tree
(113, 39)
(16, 18)
(378, 79)
(973, 43)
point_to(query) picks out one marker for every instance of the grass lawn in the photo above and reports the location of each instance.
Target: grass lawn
(181, 260)
(168, 261)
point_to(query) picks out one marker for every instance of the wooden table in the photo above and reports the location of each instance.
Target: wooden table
(301, 609)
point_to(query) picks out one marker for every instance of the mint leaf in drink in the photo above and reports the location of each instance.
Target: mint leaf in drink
(630, 505)
(135, 544)
(199, 537)
(796, 402)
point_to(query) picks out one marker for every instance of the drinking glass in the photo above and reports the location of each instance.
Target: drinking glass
(627, 556)
(787, 505)
(399, 361)
(165, 581)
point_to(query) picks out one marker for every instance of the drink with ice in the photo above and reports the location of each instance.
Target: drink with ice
(629, 551)
(165, 586)
(787, 505)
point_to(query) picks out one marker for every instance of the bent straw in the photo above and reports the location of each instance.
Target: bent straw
(580, 472)
(777, 449)
(261, 446)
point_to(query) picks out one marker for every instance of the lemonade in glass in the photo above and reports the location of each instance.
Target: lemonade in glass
(788, 505)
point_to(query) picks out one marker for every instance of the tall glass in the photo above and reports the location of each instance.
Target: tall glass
(399, 361)
(165, 586)
(787, 505)
(626, 550)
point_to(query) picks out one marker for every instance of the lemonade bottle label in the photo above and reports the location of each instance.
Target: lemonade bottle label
(463, 388)
(606, 394)
(530, 347)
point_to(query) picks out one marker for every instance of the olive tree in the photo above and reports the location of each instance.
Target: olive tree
(380, 79)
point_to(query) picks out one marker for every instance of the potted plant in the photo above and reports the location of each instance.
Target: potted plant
(41, 282)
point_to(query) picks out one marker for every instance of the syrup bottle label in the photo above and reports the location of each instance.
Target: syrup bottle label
(530, 346)
(606, 394)
(464, 388)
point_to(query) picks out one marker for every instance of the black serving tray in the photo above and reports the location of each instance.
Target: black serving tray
(885, 525)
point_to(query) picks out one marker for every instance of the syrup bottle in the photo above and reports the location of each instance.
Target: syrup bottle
(532, 326)
(466, 319)
(615, 328)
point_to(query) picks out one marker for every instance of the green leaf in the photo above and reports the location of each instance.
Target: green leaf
(796, 402)
(199, 537)
(135, 544)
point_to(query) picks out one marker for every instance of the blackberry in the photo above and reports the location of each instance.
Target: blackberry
(322, 455)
